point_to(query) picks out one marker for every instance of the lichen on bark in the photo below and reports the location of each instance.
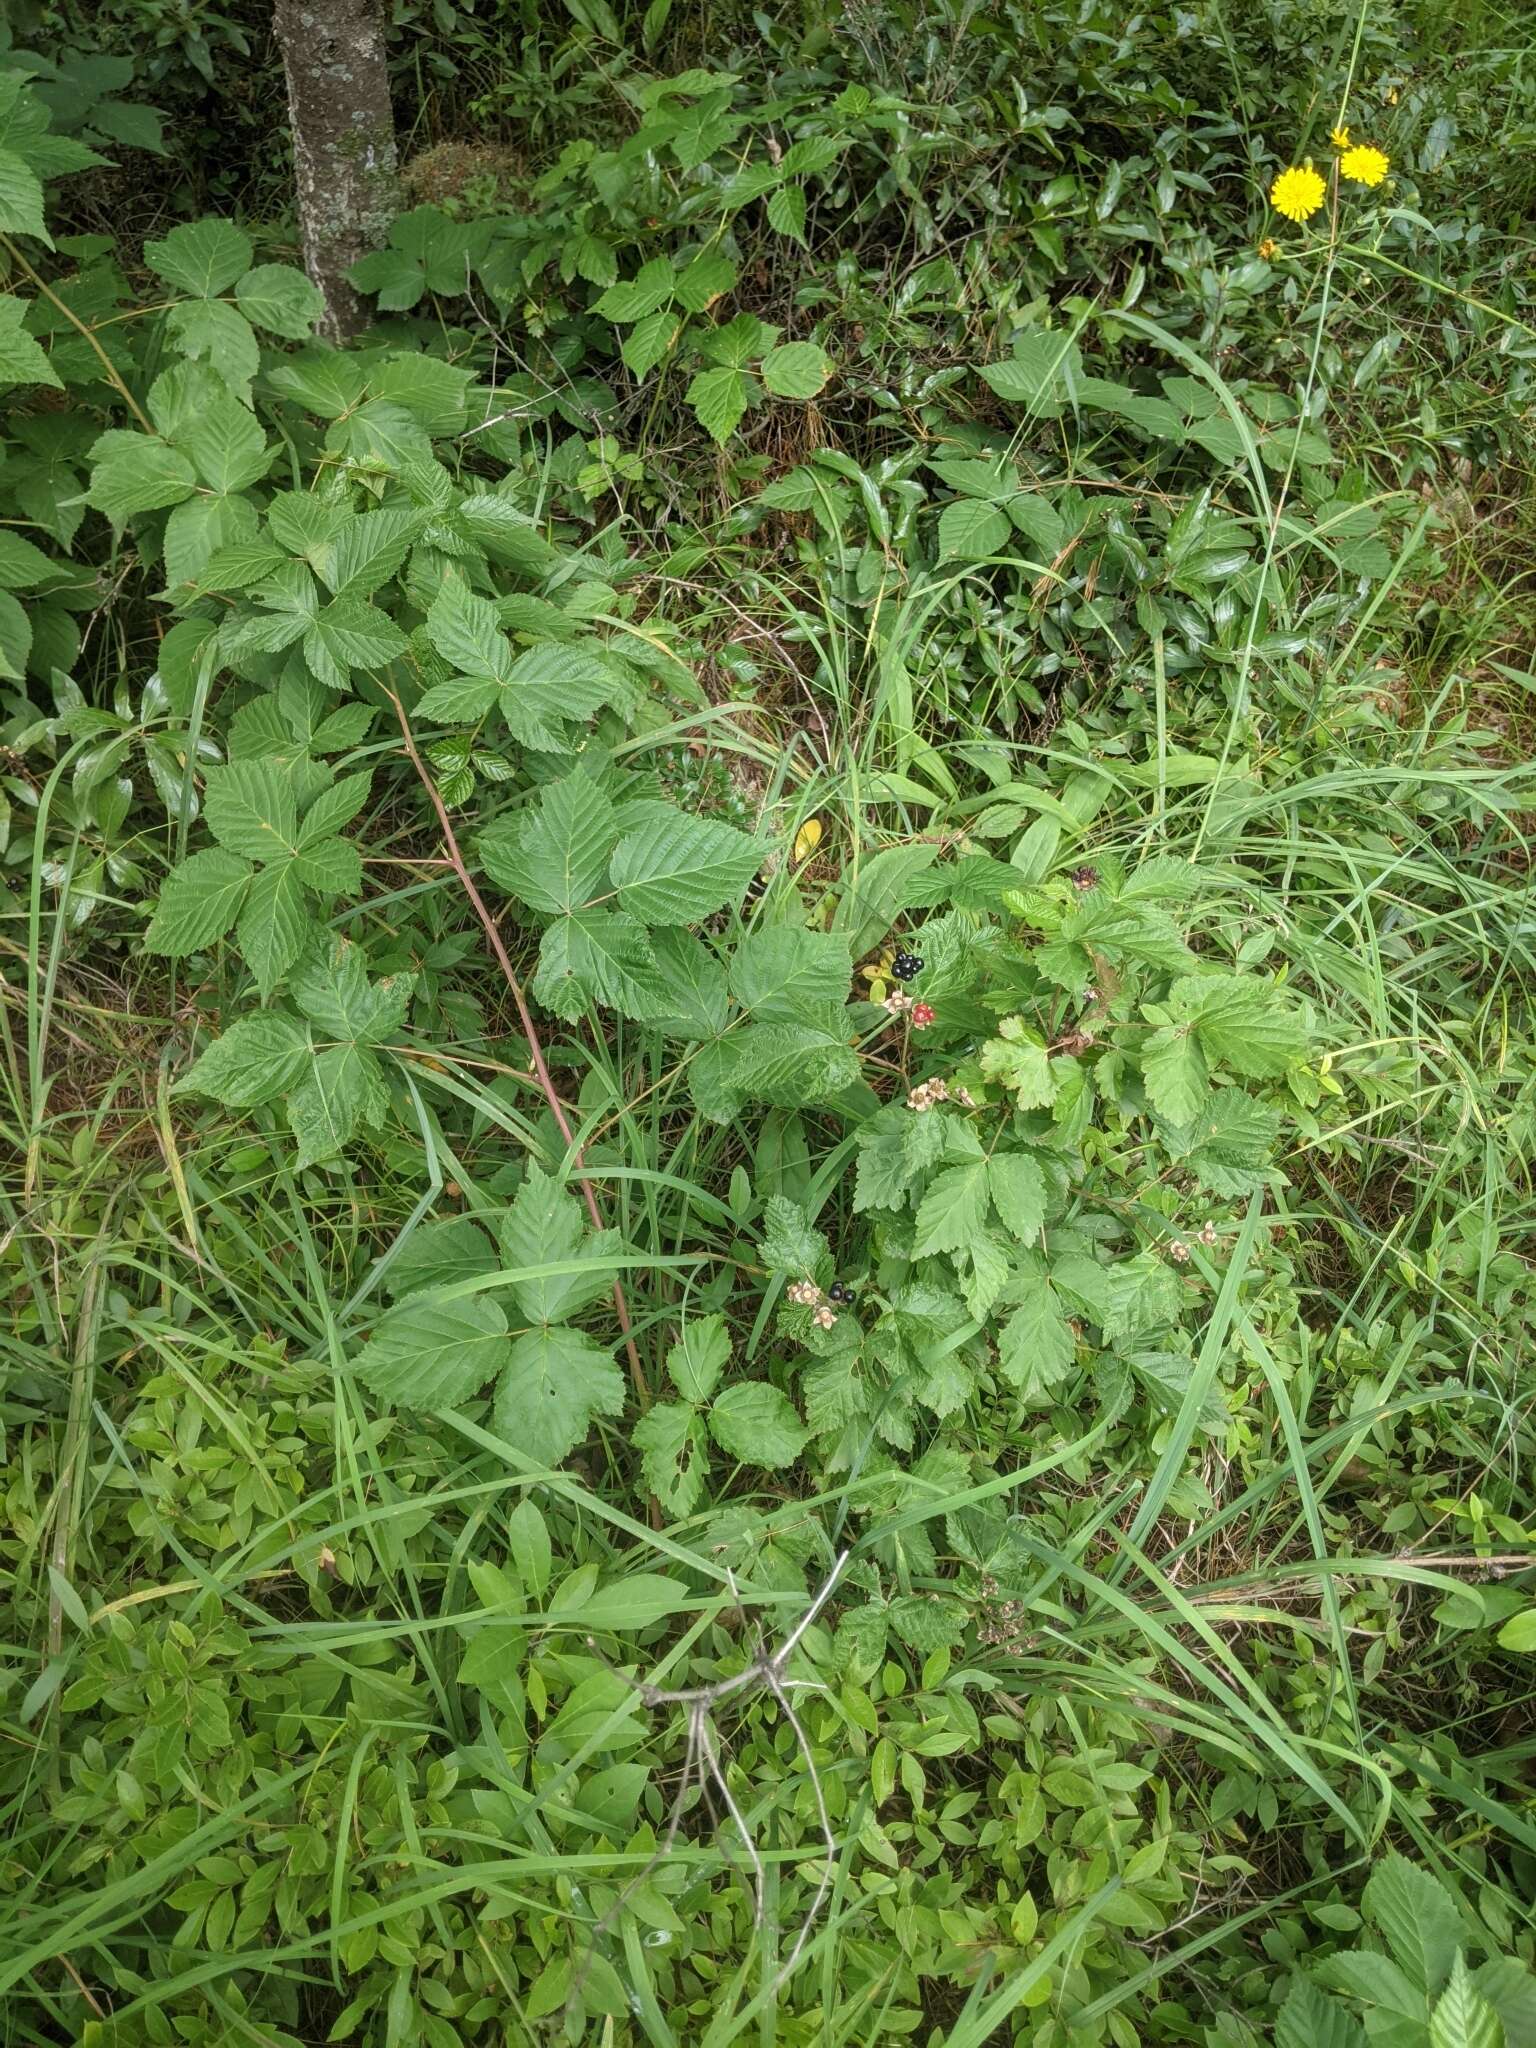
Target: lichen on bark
(344, 163)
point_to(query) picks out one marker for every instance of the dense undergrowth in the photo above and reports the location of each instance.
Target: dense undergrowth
(768, 1038)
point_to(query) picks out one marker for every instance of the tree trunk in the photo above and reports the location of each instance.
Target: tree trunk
(343, 143)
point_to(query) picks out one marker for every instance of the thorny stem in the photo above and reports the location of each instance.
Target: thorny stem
(530, 1032)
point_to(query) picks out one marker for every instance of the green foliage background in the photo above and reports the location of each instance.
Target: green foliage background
(494, 1248)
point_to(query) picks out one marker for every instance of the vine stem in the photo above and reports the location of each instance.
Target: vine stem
(80, 327)
(530, 1032)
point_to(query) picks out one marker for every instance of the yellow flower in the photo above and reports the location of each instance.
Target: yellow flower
(1340, 137)
(1269, 248)
(1365, 165)
(1298, 193)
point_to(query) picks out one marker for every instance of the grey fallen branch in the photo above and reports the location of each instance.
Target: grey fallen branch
(703, 1766)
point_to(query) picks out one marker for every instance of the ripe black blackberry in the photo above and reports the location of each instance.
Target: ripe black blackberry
(905, 966)
(838, 1292)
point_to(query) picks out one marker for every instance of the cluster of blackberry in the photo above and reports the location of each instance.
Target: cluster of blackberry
(906, 966)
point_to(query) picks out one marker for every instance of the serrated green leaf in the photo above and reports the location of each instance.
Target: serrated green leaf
(133, 473)
(335, 807)
(554, 856)
(226, 445)
(280, 299)
(645, 293)
(1462, 2018)
(786, 1065)
(546, 1226)
(210, 331)
(970, 530)
(465, 631)
(1018, 1059)
(780, 972)
(796, 369)
(786, 212)
(342, 1088)
(755, 1423)
(437, 1254)
(1036, 1347)
(954, 1209)
(273, 926)
(1418, 1917)
(433, 1354)
(602, 956)
(204, 257)
(255, 1059)
(1173, 1068)
(1309, 2018)
(201, 528)
(366, 551)
(1242, 1023)
(555, 1382)
(649, 340)
(22, 360)
(22, 566)
(674, 1455)
(198, 903)
(719, 399)
(1041, 365)
(350, 634)
(21, 198)
(1017, 1184)
(699, 1357)
(678, 870)
(332, 988)
(250, 809)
